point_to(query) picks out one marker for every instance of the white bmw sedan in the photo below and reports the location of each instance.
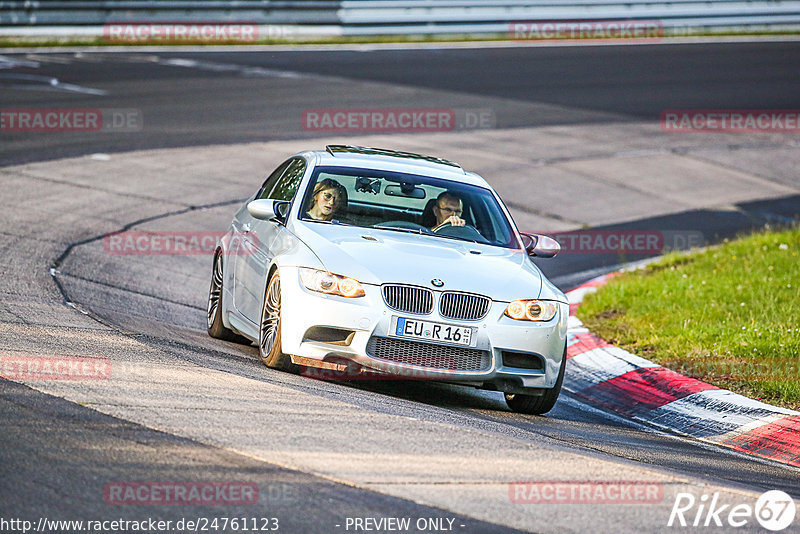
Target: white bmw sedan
(394, 264)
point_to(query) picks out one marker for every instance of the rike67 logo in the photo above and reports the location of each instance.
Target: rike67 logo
(774, 510)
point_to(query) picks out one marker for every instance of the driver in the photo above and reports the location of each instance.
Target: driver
(448, 209)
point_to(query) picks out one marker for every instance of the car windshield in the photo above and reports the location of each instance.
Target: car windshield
(406, 203)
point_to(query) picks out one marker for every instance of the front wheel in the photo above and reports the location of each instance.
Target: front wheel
(269, 334)
(538, 404)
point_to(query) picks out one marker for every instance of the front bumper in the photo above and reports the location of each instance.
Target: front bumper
(514, 355)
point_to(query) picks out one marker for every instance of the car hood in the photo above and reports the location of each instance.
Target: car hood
(376, 257)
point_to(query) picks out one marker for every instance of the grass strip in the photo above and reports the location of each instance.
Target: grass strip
(728, 315)
(56, 42)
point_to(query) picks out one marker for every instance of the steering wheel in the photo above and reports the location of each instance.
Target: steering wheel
(467, 231)
(448, 224)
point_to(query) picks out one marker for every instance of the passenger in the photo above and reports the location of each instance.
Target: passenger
(448, 209)
(329, 199)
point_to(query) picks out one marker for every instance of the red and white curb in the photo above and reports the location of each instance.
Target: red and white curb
(614, 379)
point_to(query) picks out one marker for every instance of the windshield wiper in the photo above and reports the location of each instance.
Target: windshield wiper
(422, 231)
(406, 230)
(458, 238)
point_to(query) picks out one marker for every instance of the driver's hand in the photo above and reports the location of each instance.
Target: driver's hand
(454, 220)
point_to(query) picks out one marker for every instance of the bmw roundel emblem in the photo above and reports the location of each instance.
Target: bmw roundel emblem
(437, 282)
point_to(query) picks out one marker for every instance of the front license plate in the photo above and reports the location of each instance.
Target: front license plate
(445, 333)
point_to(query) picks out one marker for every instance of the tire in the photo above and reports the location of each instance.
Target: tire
(538, 404)
(269, 331)
(216, 328)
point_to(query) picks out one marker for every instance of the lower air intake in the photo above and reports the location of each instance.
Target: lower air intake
(428, 355)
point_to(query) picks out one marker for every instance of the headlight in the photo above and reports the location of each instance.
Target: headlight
(532, 310)
(332, 284)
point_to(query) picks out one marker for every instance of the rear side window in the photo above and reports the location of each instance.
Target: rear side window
(290, 181)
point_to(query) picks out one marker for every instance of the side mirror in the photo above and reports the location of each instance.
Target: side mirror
(540, 246)
(281, 209)
(266, 209)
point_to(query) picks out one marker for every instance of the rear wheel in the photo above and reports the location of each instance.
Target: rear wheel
(216, 328)
(539, 404)
(269, 334)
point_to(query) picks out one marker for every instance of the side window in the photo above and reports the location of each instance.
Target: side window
(290, 181)
(270, 182)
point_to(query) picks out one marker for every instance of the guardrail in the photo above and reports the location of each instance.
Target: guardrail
(471, 16)
(364, 17)
(92, 12)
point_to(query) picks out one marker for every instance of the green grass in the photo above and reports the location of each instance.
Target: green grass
(31, 42)
(16, 42)
(729, 315)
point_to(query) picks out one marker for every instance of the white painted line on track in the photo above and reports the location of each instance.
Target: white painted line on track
(13, 63)
(36, 82)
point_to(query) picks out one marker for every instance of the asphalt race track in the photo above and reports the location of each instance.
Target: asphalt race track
(572, 140)
(186, 104)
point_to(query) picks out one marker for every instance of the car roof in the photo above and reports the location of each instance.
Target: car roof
(394, 160)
